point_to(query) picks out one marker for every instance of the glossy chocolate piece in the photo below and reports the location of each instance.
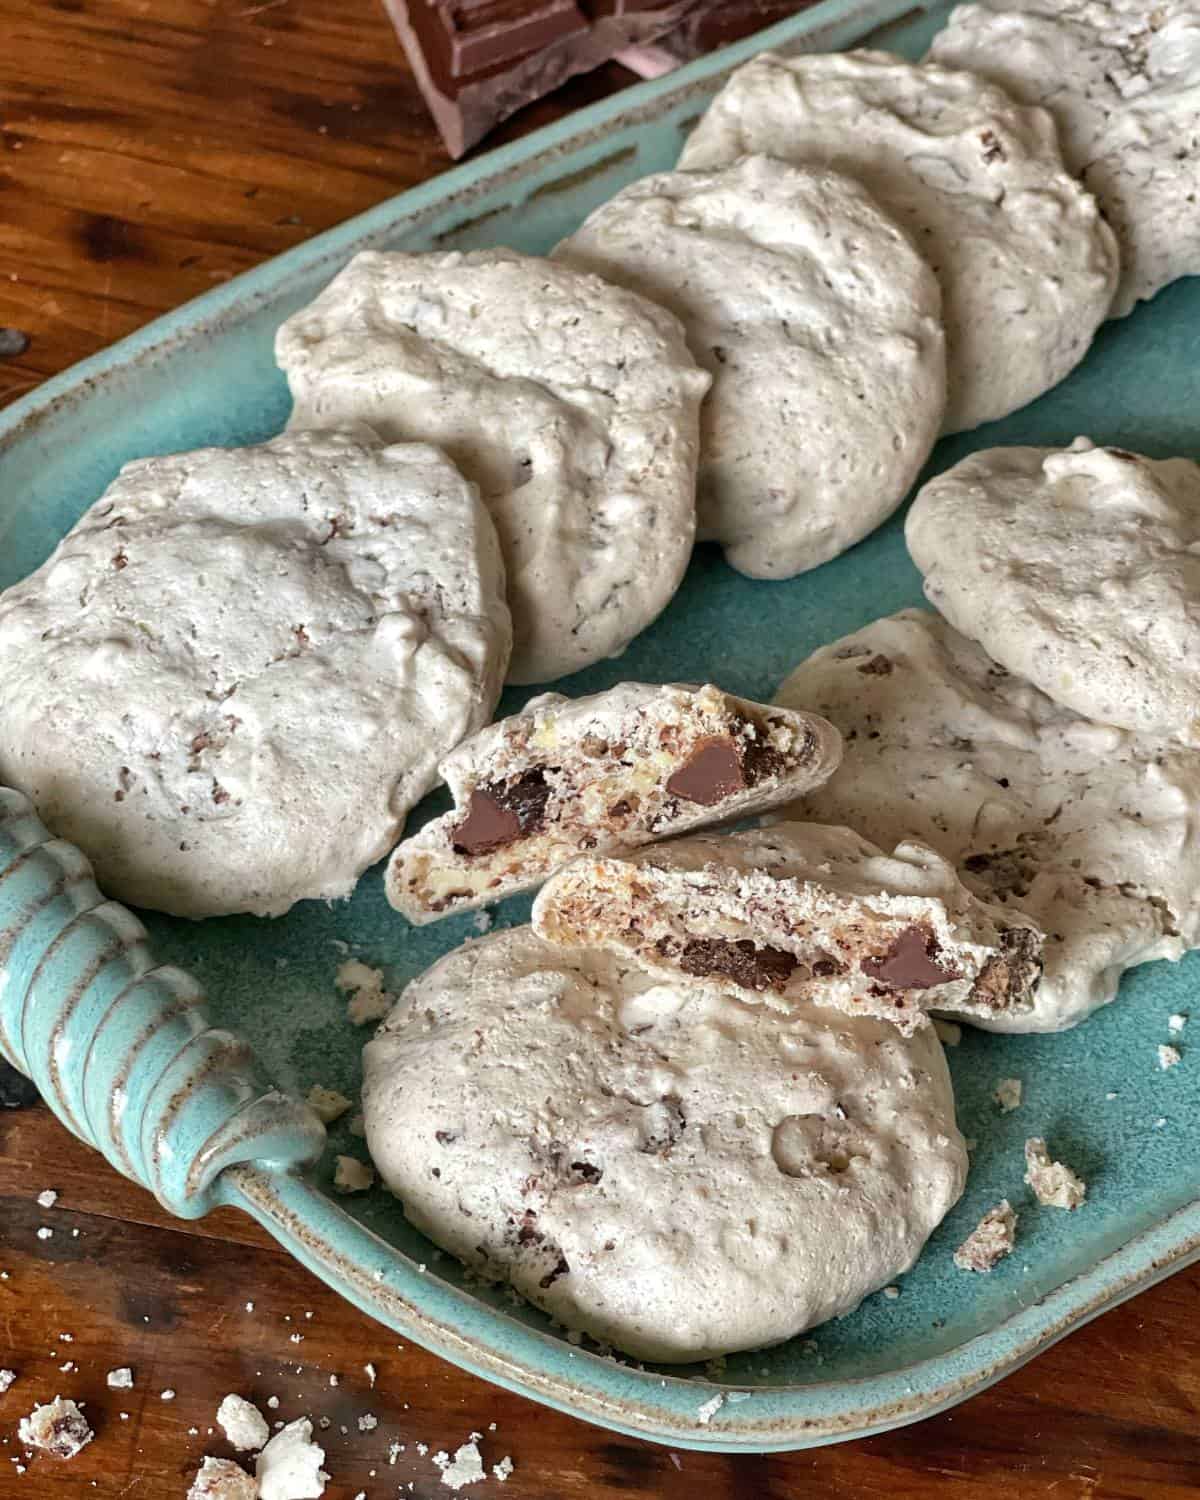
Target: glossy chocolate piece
(498, 814)
(477, 61)
(711, 773)
(910, 963)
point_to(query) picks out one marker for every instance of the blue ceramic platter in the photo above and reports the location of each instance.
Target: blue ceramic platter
(133, 1062)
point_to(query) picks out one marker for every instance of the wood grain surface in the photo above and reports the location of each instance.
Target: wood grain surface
(149, 149)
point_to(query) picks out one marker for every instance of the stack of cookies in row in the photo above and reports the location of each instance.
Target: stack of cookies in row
(708, 1062)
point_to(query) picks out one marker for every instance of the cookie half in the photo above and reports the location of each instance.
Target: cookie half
(800, 912)
(672, 1171)
(820, 325)
(640, 762)
(1078, 569)
(1027, 266)
(571, 403)
(239, 670)
(1122, 80)
(1086, 829)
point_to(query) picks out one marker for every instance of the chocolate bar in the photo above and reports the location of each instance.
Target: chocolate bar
(478, 61)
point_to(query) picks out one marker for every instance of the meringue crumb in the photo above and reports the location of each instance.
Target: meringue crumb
(990, 1241)
(1053, 1182)
(59, 1428)
(1176, 1023)
(708, 1411)
(47, 1199)
(369, 1372)
(222, 1479)
(891, 1292)
(503, 1469)
(1168, 1057)
(6, 1379)
(1007, 1094)
(243, 1424)
(466, 1467)
(369, 1001)
(120, 1380)
(327, 1104)
(352, 1175)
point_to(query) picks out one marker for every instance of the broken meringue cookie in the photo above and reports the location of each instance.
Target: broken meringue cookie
(59, 1428)
(622, 768)
(802, 913)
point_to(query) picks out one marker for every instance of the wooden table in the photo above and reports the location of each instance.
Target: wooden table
(149, 149)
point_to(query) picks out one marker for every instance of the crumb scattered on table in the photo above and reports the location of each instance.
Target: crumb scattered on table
(466, 1467)
(120, 1380)
(1007, 1094)
(221, 1479)
(242, 1423)
(289, 1467)
(1168, 1057)
(1176, 1023)
(59, 1427)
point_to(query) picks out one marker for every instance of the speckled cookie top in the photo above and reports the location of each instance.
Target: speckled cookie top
(613, 1145)
(571, 403)
(160, 671)
(1026, 265)
(1088, 829)
(1077, 568)
(1122, 79)
(821, 327)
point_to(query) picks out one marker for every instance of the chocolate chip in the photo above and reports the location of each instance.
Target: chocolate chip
(445, 1137)
(992, 149)
(752, 967)
(501, 812)
(712, 772)
(909, 964)
(759, 756)
(878, 666)
(560, 1268)
(486, 826)
(587, 1171)
(826, 967)
(1012, 974)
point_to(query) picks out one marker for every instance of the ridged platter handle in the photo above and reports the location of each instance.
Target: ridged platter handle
(119, 1046)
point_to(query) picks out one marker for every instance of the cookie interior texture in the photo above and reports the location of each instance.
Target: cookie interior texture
(820, 325)
(801, 912)
(1027, 266)
(239, 670)
(571, 403)
(639, 762)
(1077, 569)
(675, 1172)
(1087, 829)
(1120, 78)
